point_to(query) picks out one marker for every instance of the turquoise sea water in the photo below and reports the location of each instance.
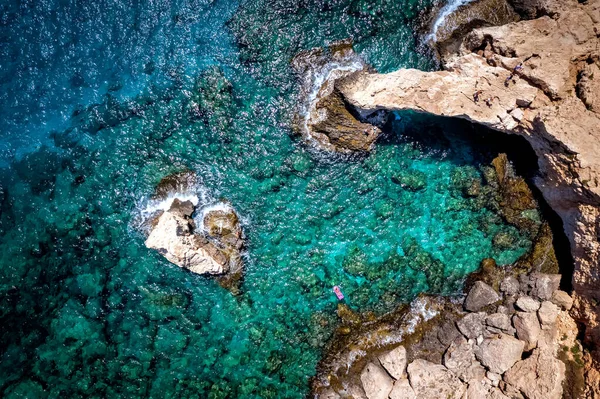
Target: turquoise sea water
(101, 100)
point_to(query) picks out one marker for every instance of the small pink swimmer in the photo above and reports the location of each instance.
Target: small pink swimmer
(338, 292)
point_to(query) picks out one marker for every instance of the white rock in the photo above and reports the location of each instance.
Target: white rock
(528, 328)
(394, 362)
(499, 353)
(527, 304)
(562, 299)
(430, 380)
(402, 390)
(376, 381)
(547, 314)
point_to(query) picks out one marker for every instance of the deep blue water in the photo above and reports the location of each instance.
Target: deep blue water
(100, 100)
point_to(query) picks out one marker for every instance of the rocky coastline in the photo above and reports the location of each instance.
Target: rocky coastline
(534, 75)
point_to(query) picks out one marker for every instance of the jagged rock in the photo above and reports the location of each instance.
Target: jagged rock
(430, 380)
(562, 299)
(402, 390)
(510, 285)
(472, 325)
(376, 382)
(173, 237)
(499, 353)
(480, 296)
(500, 321)
(527, 304)
(528, 328)
(394, 362)
(341, 130)
(547, 314)
(540, 376)
(460, 360)
(472, 15)
(538, 102)
(544, 285)
(213, 249)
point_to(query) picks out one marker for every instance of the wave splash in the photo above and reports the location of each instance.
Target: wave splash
(444, 12)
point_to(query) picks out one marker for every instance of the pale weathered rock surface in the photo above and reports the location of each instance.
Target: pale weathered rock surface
(402, 390)
(500, 321)
(550, 100)
(480, 296)
(213, 249)
(376, 382)
(430, 380)
(540, 376)
(394, 362)
(562, 299)
(547, 314)
(528, 328)
(499, 353)
(173, 237)
(527, 304)
(472, 325)
(460, 360)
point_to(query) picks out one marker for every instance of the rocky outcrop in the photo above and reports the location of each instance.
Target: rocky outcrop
(494, 360)
(214, 248)
(535, 78)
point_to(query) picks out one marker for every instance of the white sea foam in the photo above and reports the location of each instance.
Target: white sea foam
(164, 205)
(448, 9)
(201, 214)
(320, 76)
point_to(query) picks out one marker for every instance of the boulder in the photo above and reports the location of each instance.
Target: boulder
(527, 304)
(540, 376)
(500, 321)
(214, 248)
(430, 380)
(499, 353)
(562, 299)
(547, 314)
(460, 360)
(510, 285)
(528, 328)
(544, 285)
(472, 325)
(394, 362)
(402, 390)
(480, 296)
(173, 237)
(376, 382)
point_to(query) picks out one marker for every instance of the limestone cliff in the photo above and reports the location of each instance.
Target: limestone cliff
(538, 78)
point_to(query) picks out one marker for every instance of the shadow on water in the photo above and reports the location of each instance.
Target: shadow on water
(463, 142)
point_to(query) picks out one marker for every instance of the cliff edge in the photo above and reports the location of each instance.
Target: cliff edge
(539, 78)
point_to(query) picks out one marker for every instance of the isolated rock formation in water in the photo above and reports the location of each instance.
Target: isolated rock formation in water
(212, 248)
(536, 78)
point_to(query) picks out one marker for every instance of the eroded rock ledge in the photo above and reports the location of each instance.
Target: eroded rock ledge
(540, 79)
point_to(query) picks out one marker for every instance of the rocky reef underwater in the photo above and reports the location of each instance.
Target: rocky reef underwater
(183, 183)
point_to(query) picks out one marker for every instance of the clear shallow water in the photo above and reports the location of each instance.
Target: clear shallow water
(101, 102)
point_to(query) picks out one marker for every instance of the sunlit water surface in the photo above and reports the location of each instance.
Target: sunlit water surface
(100, 100)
